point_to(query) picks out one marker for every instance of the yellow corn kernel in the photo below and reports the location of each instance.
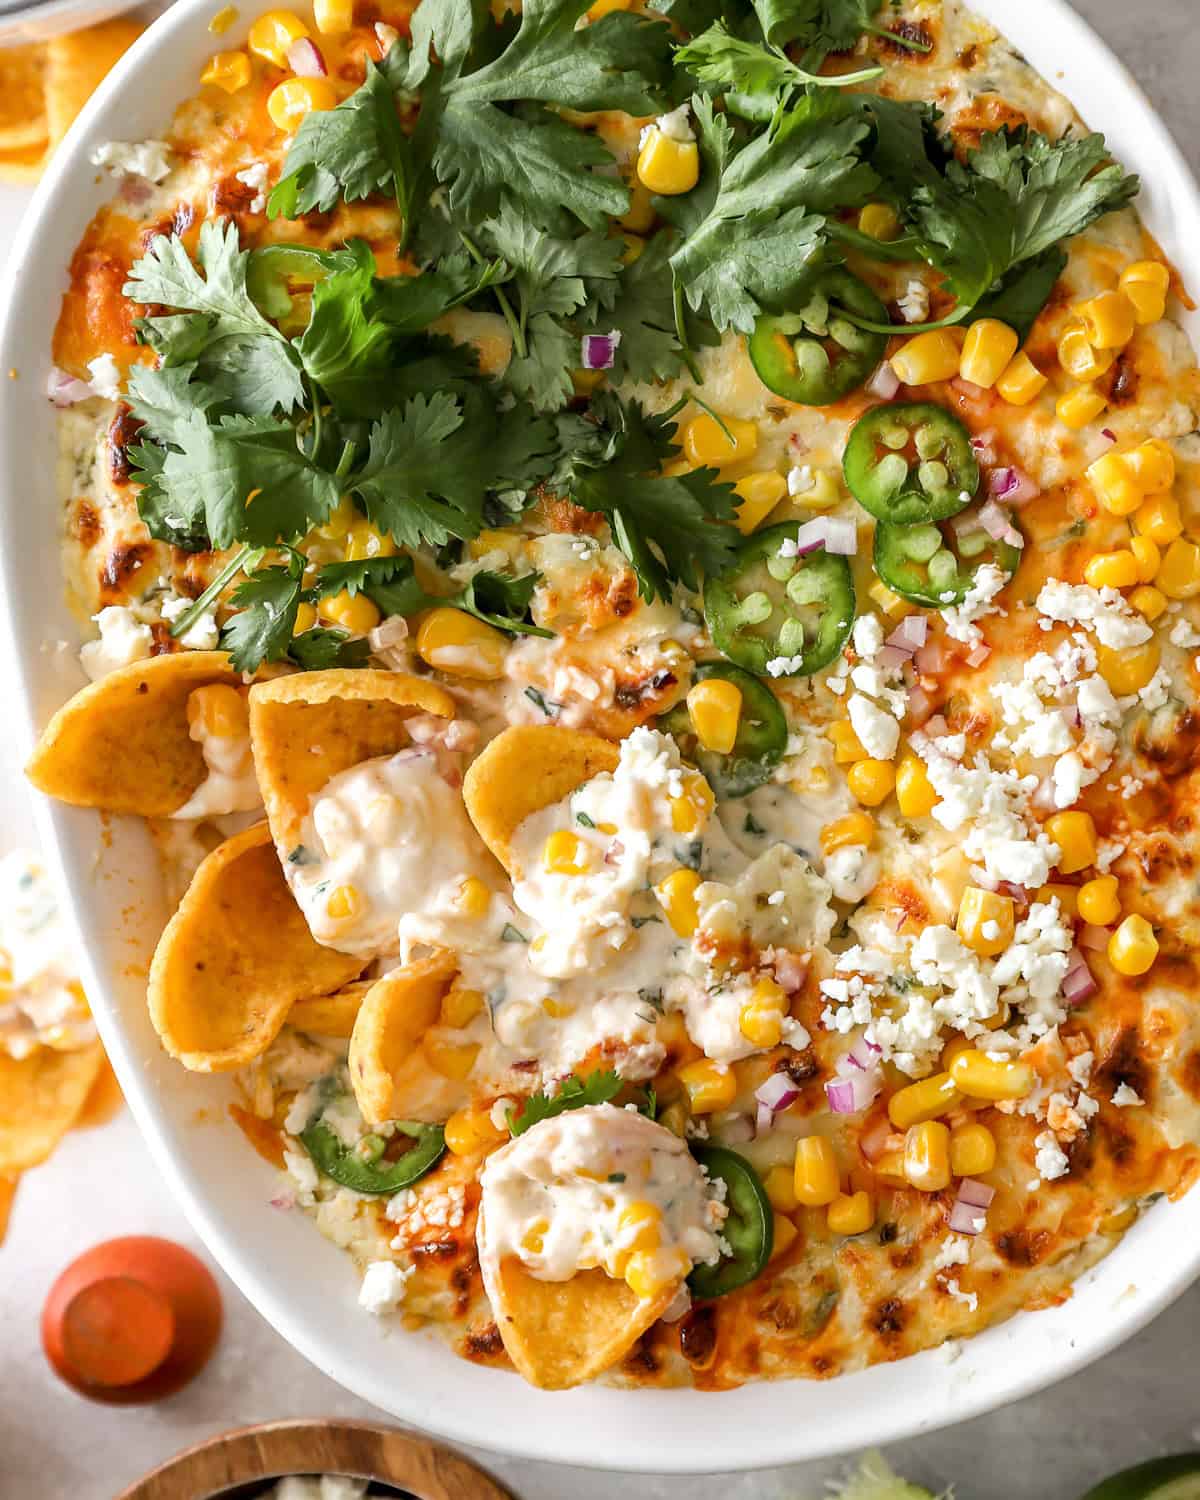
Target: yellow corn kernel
(780, 1183)
(1148, 602)
(758, 495)
(450, 1059)
(850, 1213)
(458, 643)
(924, 1100)
(784, 1237)
(1179, 575)
(641, 213)
(493, 539)
(677, 896)
(1147, 556)
(649, 1273)
(586, 381)
(220, 710)
(471, 1130)
(344, 902)
(227, 70)
(363, 541)
(1021, 381)
(972, 1150)
(342, 518)
(761, 1018)
(1078, 355)
(1152, 465)
(928, 357)
(715, 709)
(843, 833)
(880, 221)
(1067, 897)
(1112, 570)
(666, 166)
(1109, 320)
(1145, 283)
(709, 1085)
(816, 1177)
(847, 747)
(822, 494)
(565, 853)
(1079, 407)
(1119, 1222)
(223, 20)
(460, 1007)
(557, 1010)
(634, 248)
(273, 33)
(984, 1077)
(333, 17)
(1075, 835)
(927, 1156)
(986, 921)
(290, 101)
(988, 352)
(871, 781)
(640, 1226)
(533, 1241)
(1099, 903)
(691, 811)
(890, 1166)
(892, 604)
(1116, 488)
(914, 790)
(306, 618)
(358, 614)
(474, 898)
(1133, 947)
(1159, 519)
(1130, 669)
(707, 442)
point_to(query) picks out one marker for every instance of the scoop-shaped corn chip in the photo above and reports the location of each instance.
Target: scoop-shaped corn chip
(390, 1075)
(330, 1015)
(561, 1333)
(123, 744)
(524, 769)
(41, 1097)
(306, 729)
(22, 97)
(77, 63)
(235, 958)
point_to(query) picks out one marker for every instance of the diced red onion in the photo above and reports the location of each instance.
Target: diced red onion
(305, 60)
(837, 534)
(929, 660)
(977, 655)
(977, 1194)
(981, 446)
(890, 657)
(777, 1092)
(1093, 938)
(1109, 434)
(981, 878)
(919, 705)
(884, 383)
(851, 1093)
(1012, 485)
(996, 522)
(965, 1218)
(1017, 894)
(64, 390)
(864, 1054)
(873, 1142)
(1078, 984)
(911, 633)
(599, 350)
(283, 1200)
(764, 1118)
(791, 969)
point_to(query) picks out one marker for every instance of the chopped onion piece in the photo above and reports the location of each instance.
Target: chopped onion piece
(1012, 485)
(843, 536)
(599, 350)
(929, 660)
(995, 521)
(874, 1140)
(937, 728)
(977, 1194)
(1094, 938)
(890, 657)
(65, 390)
(1078, 984)
(978, 654)
(965, 1218)
(911, 633)
(305, 60)
(852, 1093)
(777, 1092)
(884, 383)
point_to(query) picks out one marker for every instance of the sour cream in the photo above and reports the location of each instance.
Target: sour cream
(231, 785)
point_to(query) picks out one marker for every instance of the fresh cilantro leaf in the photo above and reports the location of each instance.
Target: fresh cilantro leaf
(260, 366)
(501, 601)
(344, 349)
(762, 231)
(824, 26)
(670, 528)
(426, 471)
(266, 604)
(409, 304)
(391, 583)
(1020, 296)
(693, 16)
(644, 316)
(542, 375)
(317, 649)
(726, 63)
(553, 273)
(573, 1093)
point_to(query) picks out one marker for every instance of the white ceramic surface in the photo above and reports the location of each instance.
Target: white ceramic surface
(304, 1286)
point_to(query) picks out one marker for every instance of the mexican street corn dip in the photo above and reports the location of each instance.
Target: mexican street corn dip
(642, 564)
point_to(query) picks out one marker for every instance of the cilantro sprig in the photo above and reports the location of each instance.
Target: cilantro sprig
(573, 1092)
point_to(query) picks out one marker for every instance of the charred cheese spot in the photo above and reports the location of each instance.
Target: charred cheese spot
(888, 1318)
(121, 568)
(698, 1336)
(122, 433)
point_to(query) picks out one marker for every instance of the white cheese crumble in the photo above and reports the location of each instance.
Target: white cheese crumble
(106, 377)
(255, 177)
(676, 125)
(977, 602)
(1126, 1098)
(202, 635)
(800, 479)
(383, 1286)
(148, 159)
(878, 732)
(1102, 611)
(123, 639)
(1051, 1160)
(915, 302)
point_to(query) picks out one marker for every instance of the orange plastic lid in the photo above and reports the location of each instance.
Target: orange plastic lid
(132, 1320)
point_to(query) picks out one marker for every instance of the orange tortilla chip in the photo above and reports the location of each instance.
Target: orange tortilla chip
(525, 769)
(76, 63)
(388, 1071)
(25, 164)
(123, 743)
(41, 1097)
(330, 1015)
(307, 728)
(235, 958)
(8, 1192)
(22, 98)
(562, 1333)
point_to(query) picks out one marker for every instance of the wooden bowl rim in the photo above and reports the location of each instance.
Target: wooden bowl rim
(275, 1450)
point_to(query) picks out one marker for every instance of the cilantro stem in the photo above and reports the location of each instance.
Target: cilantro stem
(685, 348)
(343, 467)
(515, 326)
(903, 249)
(961, 312)
(314, 397)
(715, 415)
(897, 40)
(197, 607)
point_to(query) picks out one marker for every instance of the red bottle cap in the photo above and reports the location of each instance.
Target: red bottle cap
(132, 1320)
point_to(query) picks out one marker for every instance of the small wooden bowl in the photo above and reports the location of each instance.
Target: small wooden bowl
(241, 1464)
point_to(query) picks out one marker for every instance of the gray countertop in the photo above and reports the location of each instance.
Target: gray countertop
(1135, 1404)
